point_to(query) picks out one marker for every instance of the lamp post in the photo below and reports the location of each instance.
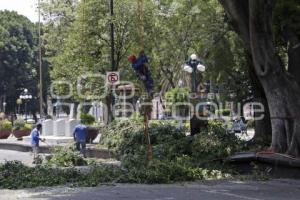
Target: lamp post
(112, 37)
(26, 96)
(192, 66)
(19, 102)
(4, 106)
(40, 64)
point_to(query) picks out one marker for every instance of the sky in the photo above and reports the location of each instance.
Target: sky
(23, 7)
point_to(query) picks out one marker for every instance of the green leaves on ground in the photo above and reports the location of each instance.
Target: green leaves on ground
(177, 158)
(66, 157)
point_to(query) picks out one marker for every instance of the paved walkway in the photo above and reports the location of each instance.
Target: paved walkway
(50, 141)
(6, 155)
(229, 190)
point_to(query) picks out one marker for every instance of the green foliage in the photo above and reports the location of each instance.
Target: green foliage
(176, 157)
(127, 140)
(87, 119)
(18, 49)
(59, 15)
(177, 95)
(115, 133)
(216, 143)
(5, 125)
(20, 125)
(127, 137)
(85, 46)
(66, 157)
(14, 175)
(77, 35)
(160, 171)
(27, 127)
(224, 112)
(287, 17)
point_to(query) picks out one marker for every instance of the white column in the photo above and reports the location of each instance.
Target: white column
(70, 126)
(60, 128)
(47, 129)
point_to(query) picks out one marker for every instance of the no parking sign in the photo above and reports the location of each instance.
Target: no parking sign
(112, 78)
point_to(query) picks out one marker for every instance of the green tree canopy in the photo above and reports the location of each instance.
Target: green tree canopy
(17, 56)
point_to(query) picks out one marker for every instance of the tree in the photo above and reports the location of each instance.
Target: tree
(59, 16)
(18, 50)
(171, 31)
(87, 46)
(253, 20)
(181, 28)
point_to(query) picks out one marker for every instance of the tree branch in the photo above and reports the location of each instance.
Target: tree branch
(238, 13)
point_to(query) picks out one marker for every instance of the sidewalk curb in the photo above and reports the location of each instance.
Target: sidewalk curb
(91, 152)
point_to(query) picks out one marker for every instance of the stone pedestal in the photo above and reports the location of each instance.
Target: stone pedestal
(47, 129)
(70, 126)
(60, 128)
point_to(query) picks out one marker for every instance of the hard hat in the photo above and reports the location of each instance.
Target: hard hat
(131, 58)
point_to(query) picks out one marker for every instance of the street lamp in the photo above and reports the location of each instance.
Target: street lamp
(26, 96)
(4, 106)
(192, 66)
(19, 102)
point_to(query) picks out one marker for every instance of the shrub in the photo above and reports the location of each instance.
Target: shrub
(175, 158)
(20, 125)
(168, 143)
(66, 157)
(27, 127)
(215, 143)
(14, 175)
(178, 95)
(127, 137)
(223, 112)
(87, 119)
(5, 125)
(115, 133)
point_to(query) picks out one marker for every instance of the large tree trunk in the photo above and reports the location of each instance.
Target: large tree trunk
(263, 130)
(253, 19)
(282, 91)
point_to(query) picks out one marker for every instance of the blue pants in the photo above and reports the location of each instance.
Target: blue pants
(145, 76)
(81, 146)
(148, 83)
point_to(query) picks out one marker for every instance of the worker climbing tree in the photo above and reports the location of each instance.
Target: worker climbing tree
(141, 67)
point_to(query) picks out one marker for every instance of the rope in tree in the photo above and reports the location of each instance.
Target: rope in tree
(146, 108)
(141, 23)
